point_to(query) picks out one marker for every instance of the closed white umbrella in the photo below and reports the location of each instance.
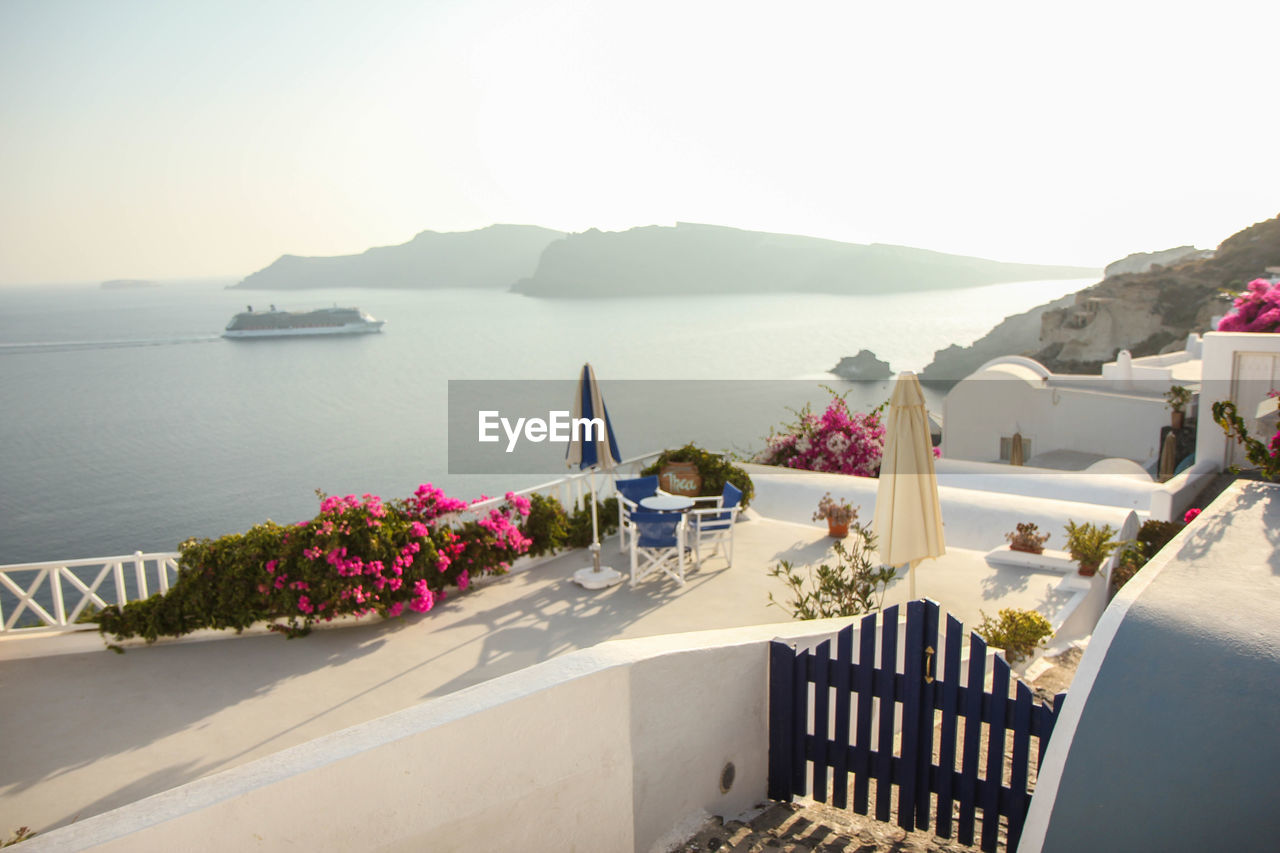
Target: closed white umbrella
(592, 449)
(908, 520)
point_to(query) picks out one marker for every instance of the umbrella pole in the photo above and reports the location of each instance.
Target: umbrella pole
(595, 525)
(595, 576)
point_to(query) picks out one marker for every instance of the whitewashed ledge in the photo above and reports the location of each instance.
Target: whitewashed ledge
(1048, 561)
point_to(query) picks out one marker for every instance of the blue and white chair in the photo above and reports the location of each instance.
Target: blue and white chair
(630, 493)
(657, 545)
(711, 527)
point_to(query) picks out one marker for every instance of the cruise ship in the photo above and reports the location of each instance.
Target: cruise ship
(323, 321)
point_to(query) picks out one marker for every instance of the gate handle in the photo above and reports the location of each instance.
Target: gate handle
(928, 662)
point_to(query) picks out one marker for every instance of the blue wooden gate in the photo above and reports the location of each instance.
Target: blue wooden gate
(846, 724)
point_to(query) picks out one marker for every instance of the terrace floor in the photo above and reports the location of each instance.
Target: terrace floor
(85, 731)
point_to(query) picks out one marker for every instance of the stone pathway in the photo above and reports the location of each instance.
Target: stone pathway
(812, 828)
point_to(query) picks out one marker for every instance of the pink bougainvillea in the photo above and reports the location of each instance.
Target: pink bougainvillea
(1255, 310)
(363, 554)
(837, 441)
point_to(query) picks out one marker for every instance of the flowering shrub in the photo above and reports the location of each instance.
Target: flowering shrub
(1255, 310)
(837, 441)
(1190, 515)
(357, 556)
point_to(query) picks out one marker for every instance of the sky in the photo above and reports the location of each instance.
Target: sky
(147, 139)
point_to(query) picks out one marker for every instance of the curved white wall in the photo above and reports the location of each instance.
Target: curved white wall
(972, 518)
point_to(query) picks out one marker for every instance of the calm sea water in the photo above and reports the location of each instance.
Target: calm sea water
(129, 424)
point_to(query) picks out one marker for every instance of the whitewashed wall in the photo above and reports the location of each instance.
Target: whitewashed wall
(1239, 366)
(972, 518)
(1009, 397)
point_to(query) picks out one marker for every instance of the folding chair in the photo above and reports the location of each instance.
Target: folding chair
(712, 527)
(657, 545)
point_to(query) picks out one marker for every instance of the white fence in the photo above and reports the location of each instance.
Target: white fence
(57, 593)
(47, 592)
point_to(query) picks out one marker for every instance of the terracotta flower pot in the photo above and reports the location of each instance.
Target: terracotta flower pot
(1089, 569)
(837, 530)
(1177, 419)
(1014, 546)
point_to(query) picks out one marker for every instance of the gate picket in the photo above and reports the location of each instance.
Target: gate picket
(972, 736)
(928, 701)
(950, 717)
(1018, 799)
(821, 722)
(913, 679)
(885, 691)
(840, 766)
(995, 754)
(863, 684)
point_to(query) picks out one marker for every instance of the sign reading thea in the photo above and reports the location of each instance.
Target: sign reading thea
(558, 427)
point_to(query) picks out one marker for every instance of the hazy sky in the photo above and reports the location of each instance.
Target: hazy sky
(167, 139)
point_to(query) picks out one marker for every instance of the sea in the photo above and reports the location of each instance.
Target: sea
(129, 424)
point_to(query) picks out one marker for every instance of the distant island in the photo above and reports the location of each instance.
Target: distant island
(669, 261)
(862, 367)
(491, 257)
(127, 284)
(647, 261)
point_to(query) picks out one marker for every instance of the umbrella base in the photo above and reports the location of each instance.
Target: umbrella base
(590, 578)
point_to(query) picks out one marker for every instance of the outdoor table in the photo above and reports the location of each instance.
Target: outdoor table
(667, 503)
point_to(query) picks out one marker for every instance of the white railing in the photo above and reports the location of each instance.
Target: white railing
(48, 591)
(573, 489)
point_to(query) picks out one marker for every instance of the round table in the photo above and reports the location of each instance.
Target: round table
(667, 503)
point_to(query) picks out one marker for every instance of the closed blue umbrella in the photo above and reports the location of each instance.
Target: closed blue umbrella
(592, 447)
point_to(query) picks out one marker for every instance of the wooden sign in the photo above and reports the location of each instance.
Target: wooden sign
(680, 478)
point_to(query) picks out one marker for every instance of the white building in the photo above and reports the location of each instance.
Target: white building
(1067, 421)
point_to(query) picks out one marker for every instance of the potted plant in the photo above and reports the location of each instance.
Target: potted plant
(1177, 398)
(1027, 538)
(838, 513)
(1089, 545)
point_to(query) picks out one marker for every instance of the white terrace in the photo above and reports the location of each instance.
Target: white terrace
(86, 731)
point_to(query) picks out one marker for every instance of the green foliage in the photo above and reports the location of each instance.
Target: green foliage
(547, 525)
(1136, 553)
(1266, 458)
(851, 587)
(1154, 534)
(716, 470)
(1177, 398)
(1131, 557)
(1088, 543)
(217, 587)
(1018, 632)
(580, 522)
